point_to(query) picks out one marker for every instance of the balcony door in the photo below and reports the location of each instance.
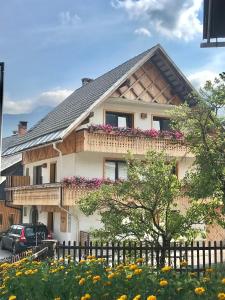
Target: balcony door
(37, 175)
(119, 119)
(53, 174)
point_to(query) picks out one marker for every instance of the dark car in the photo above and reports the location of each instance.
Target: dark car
(23, 236)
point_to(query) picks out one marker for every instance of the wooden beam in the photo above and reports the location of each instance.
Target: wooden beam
(131, 86)
(162, 91)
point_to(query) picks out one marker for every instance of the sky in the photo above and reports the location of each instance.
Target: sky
(48, 46)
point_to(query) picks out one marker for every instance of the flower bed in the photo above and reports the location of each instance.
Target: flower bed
(93, 279)
(151, 133)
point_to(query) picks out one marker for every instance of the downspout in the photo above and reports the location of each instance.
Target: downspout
(61, 190)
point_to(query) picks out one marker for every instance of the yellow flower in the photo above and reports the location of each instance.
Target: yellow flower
(163, 283)
(166, 269)
(137, 271)
(133, 267)
(138, 297)
(19, 273)
(12, 297)
(199, 291)
(57, 298)
(108, 269)
(123, 297)
(90, 257)
(111, 275)
(209, 270)
(96, 278)
(205, 279)
(223, 281)
(107, 283)
(120, 267)
(139, 260)
(221, 296)
(82, 261)
(82, 281)
(183, 263)
(129, 276)
(193, 274)
(86, 297)
(151, 297)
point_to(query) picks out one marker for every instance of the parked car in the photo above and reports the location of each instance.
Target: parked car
(23, 236)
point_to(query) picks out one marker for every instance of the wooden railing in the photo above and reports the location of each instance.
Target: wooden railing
(45, 194)
(111, 143)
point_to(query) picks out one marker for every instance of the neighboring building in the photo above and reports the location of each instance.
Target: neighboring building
(10, 166)
(136, 94)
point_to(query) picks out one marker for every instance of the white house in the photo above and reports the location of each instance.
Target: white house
(137, 94)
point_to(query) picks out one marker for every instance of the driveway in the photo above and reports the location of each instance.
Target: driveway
(4, 253)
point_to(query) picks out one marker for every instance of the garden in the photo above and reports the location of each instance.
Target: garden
(65, 279)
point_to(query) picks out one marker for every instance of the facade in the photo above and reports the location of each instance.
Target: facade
(77, 140)
(10, 166)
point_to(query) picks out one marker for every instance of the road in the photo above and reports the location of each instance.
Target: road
(4, 253)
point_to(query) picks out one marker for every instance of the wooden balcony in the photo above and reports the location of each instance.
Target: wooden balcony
(49, 194)
(110, 143)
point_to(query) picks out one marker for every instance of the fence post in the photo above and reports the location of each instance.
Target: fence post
(215, 252)
(221, 252)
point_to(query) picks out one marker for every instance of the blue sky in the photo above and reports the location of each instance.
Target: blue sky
(48, 46)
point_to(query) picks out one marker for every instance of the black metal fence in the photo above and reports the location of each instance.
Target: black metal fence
(198, 255)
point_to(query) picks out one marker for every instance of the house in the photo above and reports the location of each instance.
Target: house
(10, 166)
(76, 139)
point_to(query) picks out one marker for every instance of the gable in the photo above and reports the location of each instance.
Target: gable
(148, 84)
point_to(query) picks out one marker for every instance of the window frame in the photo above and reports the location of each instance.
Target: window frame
(158, 116)
(116, 160)
(120, 112)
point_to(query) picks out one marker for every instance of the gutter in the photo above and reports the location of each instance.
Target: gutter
(61, 192)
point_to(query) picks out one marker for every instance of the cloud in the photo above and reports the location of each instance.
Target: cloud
(199, 78)
(68, 19)
(49, 98)
(174, 19)
(142, 31)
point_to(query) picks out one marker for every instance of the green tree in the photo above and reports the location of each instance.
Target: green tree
(203, 125)
(144, 207)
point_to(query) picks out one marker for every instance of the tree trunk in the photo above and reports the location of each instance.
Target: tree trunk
(161, 254)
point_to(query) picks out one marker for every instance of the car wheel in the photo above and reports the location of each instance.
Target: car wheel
(14, 250)
(2, 245)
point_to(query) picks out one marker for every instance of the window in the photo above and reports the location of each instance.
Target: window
(117, 119)
(53, 173)
(37, 175)
(115, 169)
(161, 123)
(25, 211)
(69, 223)
(1, 219)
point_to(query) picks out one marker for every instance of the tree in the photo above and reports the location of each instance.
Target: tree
(203, 126)
(144, 207)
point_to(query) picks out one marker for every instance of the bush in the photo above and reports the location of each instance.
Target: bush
(93, 279)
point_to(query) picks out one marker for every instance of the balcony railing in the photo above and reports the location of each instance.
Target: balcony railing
(44, 194)
(111, 143)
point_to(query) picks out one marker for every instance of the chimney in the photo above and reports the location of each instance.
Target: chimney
(22, 128)
(86, 80)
